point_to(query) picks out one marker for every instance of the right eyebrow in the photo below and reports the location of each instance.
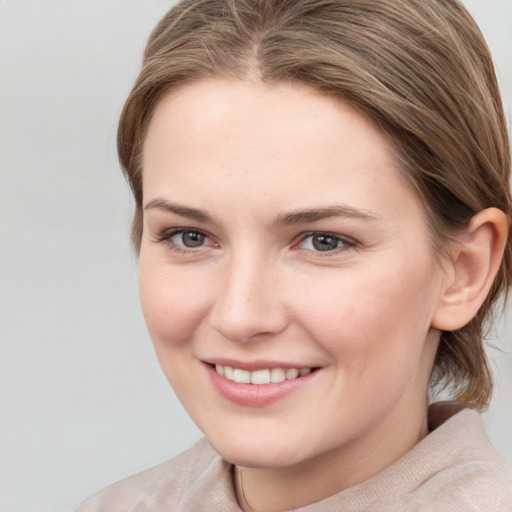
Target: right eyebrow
(318, 214)
(178, 209)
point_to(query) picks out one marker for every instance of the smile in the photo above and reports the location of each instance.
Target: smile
(259, 387)
(259, 377)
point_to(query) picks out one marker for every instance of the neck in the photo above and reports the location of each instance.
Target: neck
(310, 481)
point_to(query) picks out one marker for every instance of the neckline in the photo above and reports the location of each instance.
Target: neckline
(422, 456)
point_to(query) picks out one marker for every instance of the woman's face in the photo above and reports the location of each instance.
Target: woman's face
(279, 236)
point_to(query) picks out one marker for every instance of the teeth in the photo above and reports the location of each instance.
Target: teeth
(228, 372)
(292, 373)
(277, 375)
(274, 375)
(260, 377)
(242, 376)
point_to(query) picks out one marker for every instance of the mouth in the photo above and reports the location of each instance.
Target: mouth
(262, 376)
(258, 383)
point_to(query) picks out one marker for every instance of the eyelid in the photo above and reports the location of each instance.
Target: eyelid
(166, 235)
(348, 243)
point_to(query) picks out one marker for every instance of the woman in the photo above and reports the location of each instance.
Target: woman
(322, 220)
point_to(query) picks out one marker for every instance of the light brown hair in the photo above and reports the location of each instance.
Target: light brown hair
(419, 68)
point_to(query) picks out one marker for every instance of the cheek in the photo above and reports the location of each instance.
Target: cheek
(172, 303)
(372, 319)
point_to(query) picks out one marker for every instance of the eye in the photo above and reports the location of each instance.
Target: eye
(184, 239)
(325, 242)
(188, 238)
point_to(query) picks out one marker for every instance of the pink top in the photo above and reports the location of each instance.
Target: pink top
(455, 468)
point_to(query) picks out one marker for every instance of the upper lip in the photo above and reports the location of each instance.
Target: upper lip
(255, 364)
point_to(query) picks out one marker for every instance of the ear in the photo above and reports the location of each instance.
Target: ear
(472, 269)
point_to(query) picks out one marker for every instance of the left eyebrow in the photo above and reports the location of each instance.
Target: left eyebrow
(178, 209)
(317, 214)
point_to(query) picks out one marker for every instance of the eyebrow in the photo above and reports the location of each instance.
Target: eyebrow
(317, 214)
(183, 211)
(284, 219)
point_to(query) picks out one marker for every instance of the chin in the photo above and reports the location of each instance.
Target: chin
(257, 453)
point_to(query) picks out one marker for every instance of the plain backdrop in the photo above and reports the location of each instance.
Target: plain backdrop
(83, 402)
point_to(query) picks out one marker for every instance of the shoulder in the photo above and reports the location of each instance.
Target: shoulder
(454, 469)
(162, 486)
(462, 471)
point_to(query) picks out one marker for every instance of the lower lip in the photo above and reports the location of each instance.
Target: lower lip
(256, 395)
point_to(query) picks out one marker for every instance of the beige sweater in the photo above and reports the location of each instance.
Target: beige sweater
(455, 468)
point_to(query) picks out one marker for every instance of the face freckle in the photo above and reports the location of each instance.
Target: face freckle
(266, 169)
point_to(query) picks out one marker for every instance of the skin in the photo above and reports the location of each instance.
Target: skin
(245, 155)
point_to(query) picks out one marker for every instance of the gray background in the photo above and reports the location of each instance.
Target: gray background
(82, 400)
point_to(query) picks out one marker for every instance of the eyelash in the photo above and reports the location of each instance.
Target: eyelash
(346, 243)
(166, 238)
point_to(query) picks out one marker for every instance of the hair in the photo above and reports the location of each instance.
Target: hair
(420, 69)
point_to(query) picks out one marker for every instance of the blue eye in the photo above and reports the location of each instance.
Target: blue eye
(184, 240)
(325, 242)
(188, 238)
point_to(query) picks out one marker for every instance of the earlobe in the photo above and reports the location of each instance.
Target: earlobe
(472, 270)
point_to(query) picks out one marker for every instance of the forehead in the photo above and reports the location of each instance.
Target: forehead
(259, 109)
(250, 139)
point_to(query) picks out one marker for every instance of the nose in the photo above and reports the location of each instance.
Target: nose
(249, 305)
